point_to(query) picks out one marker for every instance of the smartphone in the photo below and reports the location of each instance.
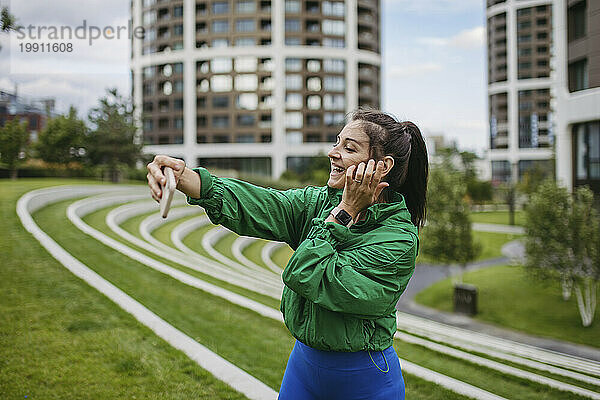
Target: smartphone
(168, 191)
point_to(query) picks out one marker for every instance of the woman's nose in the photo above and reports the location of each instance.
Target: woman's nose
(333, 153)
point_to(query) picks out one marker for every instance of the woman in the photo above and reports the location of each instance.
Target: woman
(355, 243)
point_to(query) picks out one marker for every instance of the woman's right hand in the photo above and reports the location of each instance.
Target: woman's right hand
(155, 173)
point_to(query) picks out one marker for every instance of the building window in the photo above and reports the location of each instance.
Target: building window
(334, 83)
(246, 7)
(245, 120)
(293, 64)
(333, 119)
(221, 83)
(245, 42)
(219, 65)
(292, 41)
(331, 27)
(221, 139)
(313, 84)
(293, 120)
(178, 11)
(293, 101)
(292, 25)
(247, 101)
(313, 65)
(220, 26)
(219, 43)
(501, 171)
(524, 39)
(148, 125)
(246, 82)
(334, 65)
(178, 104)
(334, 102)
(220, 7)
(220, 102)
(178, 123)
(220, 121)
(578, 75)
(245, 25)
(246, 64)
(331, 42)
(148, 72)
(292, 6)
(332, 8)
(576, 20)
(587, 148)
(293, 82)
(313, 102)
(178, 30)
(248, 138)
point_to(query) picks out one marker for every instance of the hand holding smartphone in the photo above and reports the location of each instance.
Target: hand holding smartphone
(168, 190)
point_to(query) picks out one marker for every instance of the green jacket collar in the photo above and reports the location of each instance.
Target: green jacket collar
(379, 213)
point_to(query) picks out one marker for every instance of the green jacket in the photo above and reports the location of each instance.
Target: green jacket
(341, 284)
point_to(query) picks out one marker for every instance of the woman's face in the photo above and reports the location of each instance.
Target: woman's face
(351, 148)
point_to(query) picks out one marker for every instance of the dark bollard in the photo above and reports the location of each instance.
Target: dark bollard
(465, 299)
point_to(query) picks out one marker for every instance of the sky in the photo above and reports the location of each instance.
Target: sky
(433, 54)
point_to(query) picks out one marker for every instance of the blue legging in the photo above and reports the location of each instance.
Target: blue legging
(324, 375)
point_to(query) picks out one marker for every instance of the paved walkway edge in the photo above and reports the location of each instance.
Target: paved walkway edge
(216, 365)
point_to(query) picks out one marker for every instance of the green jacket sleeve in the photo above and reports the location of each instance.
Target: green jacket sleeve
(251, 210)
(365, 281)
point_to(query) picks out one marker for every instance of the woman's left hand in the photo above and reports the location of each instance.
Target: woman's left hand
(363, 186)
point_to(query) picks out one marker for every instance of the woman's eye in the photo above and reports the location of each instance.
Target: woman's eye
(348, 149)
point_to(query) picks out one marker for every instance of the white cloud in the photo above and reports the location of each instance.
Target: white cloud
(434, 6)
(473, 38)
(402, 71)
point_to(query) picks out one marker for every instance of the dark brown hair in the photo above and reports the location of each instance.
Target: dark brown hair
(402, 141)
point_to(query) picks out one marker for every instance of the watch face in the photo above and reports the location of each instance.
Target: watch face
(343, 217)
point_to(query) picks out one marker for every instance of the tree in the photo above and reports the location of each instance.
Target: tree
(447, 236)
(563, 242)
(478, 191)
(316, 172)
(112, 143)
(8, 22)
(62, 139)
(13, 141)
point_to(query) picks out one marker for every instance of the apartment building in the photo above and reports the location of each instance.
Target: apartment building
(543, 89)
(259, 86)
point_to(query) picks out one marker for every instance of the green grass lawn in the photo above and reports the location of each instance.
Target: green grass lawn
(282, 255)
(163, 232)
(498, 217)
(223, 245)
(509, 297)
(491, 244)
(61, 339)
(253, 252)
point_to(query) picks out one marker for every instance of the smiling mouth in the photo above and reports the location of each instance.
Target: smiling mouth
(336, 170)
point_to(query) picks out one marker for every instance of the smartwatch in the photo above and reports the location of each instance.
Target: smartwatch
(342, 216)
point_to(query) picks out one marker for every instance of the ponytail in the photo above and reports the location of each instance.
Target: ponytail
(404, 142)
(414, 187)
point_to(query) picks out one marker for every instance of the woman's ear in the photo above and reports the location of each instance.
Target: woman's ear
(388, 164)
